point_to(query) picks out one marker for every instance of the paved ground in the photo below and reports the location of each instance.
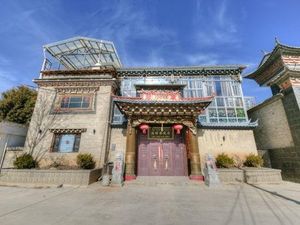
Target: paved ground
(158, 204)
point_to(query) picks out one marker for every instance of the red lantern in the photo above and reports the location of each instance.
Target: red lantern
(178, 128)
(144, 128)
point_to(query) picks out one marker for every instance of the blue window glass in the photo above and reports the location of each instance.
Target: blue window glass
(81, 102)
(66, 143)
(218, 88)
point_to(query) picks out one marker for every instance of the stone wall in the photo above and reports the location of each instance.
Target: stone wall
(49, 177)
(273, 130)
(280, 129)
(96, 123)
(237, 143)
(288, 159)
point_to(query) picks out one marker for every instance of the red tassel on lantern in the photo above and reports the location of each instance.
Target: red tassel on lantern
(144, 128)
(178, 128)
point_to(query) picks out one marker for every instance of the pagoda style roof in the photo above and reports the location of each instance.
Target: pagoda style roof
(180, 107)
(273, 64)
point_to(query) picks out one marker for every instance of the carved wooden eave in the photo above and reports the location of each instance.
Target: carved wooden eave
(79, 72)
(218, 70)
(67, 90)
(73, 83)
(186, 107)
(68, 130)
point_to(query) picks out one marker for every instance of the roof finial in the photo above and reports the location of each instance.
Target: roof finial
(276, 41)
(264, 52)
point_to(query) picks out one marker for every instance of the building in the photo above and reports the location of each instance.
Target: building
(163, 119)
(12, 138)
(278, 131)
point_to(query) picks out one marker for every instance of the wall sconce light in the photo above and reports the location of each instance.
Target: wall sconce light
(94, 131)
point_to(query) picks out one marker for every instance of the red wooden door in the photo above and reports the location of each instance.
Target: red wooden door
(166, 158)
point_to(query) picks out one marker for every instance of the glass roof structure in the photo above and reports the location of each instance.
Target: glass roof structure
(80, 53)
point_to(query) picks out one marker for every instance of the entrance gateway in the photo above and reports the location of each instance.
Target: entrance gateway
(161, 153)
(162, 132)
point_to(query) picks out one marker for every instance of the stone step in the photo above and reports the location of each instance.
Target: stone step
(163, 180)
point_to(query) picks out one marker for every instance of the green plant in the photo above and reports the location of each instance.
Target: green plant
(85, 161)
(25, 161)
(17, 104)
(253, 161)
(224, 161)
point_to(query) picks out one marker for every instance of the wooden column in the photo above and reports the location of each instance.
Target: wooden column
(194, 156)
(130, 157)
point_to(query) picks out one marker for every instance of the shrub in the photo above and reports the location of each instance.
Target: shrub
(253, 161)
(85, 161)
(25, 161)
(224, 161)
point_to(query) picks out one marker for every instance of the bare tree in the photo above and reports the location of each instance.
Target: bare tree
(44, 117)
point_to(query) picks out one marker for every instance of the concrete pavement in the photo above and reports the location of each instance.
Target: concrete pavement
(156, 204)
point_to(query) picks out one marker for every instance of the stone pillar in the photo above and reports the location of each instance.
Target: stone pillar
(194, 156)
(130, 158)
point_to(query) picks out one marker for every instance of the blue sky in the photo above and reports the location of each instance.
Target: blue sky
(148, 32)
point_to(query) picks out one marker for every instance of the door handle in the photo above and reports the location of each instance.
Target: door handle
(166, 163)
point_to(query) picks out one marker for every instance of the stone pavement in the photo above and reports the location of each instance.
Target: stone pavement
(151, 204)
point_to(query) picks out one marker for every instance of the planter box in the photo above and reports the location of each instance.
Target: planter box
(262, 175)
(231, 175)
(49, 177)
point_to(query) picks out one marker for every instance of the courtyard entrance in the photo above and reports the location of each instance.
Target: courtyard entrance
(161, 157)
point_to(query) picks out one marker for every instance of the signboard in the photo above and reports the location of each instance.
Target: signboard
(161, 133)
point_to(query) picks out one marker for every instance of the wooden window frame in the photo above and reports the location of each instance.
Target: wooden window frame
(60, 97)
(57, 138)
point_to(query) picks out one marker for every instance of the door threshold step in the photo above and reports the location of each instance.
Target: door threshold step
(163, 180)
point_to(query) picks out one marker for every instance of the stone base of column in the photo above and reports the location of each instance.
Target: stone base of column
(197, 177)
(130, 177)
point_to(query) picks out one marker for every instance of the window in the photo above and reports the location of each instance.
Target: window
(65, 143)
(218, 88)
(212, 113)
(209, 88)
(240, 112)
(220, 101)
(222, 112)
(75, 102)
(236, 89)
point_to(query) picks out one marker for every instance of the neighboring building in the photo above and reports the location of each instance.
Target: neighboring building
(279, 116)
(164, 119)
(12, 136)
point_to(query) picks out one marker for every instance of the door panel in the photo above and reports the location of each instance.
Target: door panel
(166, 158)
(154, 159)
